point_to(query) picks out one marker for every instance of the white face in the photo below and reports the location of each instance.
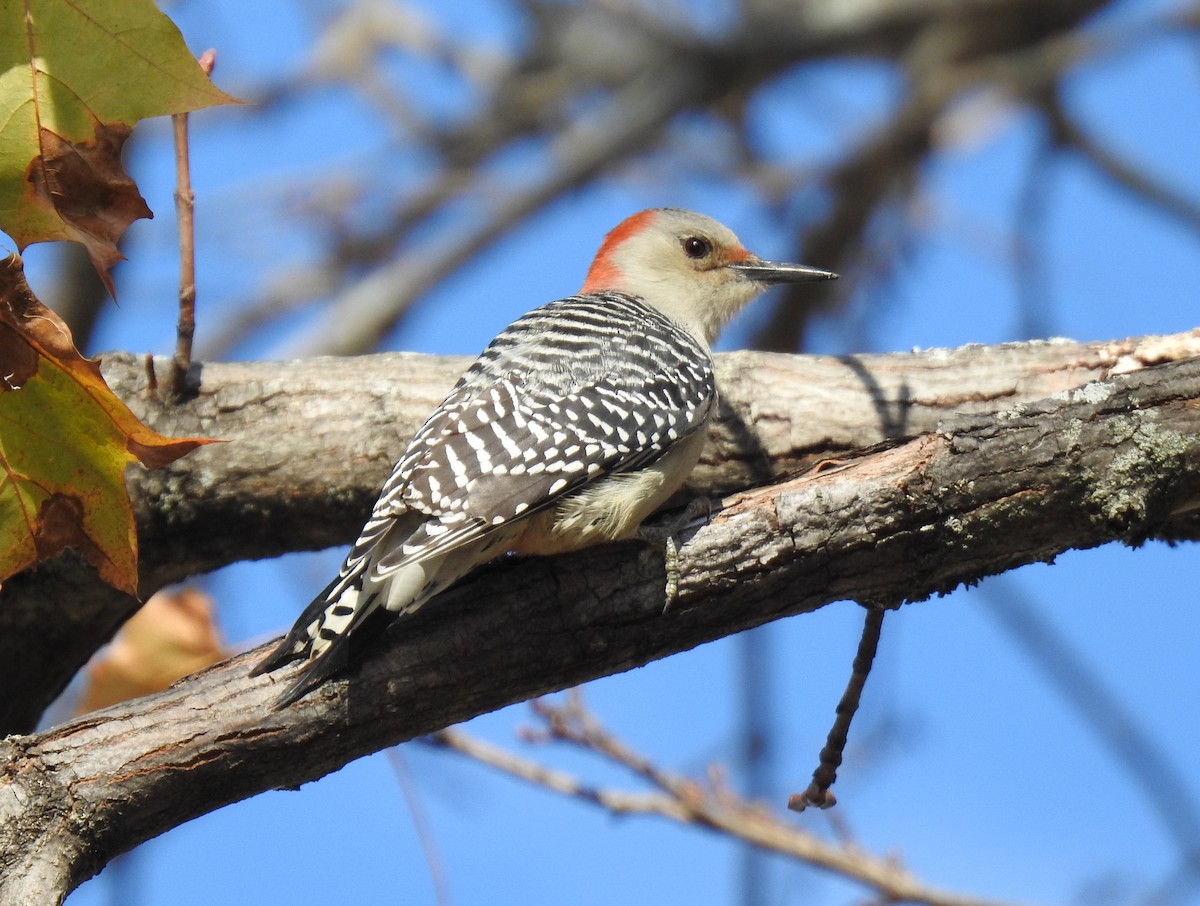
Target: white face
(678, 263)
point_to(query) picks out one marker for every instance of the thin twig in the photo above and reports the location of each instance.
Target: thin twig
(692, 802)
(818, 793)
(185, 204)
(433, 857)
(633, 117)
(1034, 317)
(1122, 171)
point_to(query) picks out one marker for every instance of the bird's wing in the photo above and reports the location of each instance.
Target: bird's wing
(535, 420)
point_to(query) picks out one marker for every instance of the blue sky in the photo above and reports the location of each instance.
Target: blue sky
(965, 762)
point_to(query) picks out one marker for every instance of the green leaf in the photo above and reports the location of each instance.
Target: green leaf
(75, 77)
(65, 441)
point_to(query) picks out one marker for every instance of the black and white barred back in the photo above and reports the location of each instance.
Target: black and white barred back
(582, 388)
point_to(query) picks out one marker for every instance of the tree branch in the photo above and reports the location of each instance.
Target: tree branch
(1115, 460)
(310, 442)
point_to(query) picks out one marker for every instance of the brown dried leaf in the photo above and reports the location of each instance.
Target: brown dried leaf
(86, 186)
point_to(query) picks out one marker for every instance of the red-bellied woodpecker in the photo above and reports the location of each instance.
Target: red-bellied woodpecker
(577, 422)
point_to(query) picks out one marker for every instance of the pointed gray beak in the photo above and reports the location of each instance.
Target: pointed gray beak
(754, 268)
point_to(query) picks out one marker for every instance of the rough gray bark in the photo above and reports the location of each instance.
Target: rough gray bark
(308, 443)
(1115, 460)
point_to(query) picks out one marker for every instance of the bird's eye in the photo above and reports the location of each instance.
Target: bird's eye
(696, 247)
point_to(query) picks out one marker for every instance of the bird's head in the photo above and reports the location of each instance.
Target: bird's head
(688, 266)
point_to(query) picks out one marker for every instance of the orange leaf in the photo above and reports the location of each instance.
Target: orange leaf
(172, 635)
(65, 441)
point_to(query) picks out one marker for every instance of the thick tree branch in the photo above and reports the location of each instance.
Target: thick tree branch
(310, 442)
(1115, 460)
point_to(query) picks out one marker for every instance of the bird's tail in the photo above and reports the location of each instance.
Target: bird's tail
(369, 593)
(327, 634)
(349, 614)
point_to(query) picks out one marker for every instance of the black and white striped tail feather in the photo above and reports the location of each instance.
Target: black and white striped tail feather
(344, 619)
(326, 633)
(355, 608)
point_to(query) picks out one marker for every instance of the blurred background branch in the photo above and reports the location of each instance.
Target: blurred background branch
(621, 89)
(709, 804)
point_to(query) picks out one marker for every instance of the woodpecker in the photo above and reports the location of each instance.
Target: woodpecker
(579, 420)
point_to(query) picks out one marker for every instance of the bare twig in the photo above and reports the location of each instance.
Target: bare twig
(945, 63)
(534, 99)
(1033, 292)
(693, 802)
(818, 793)
(355, 322)
(433, 857)
(1121, 171)
(185, 204)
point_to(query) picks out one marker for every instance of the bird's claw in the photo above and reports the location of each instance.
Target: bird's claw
(665, 535)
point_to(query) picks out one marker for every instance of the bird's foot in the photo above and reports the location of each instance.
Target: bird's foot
(666, 534)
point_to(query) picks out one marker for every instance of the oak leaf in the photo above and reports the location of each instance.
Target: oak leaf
(65, 441)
